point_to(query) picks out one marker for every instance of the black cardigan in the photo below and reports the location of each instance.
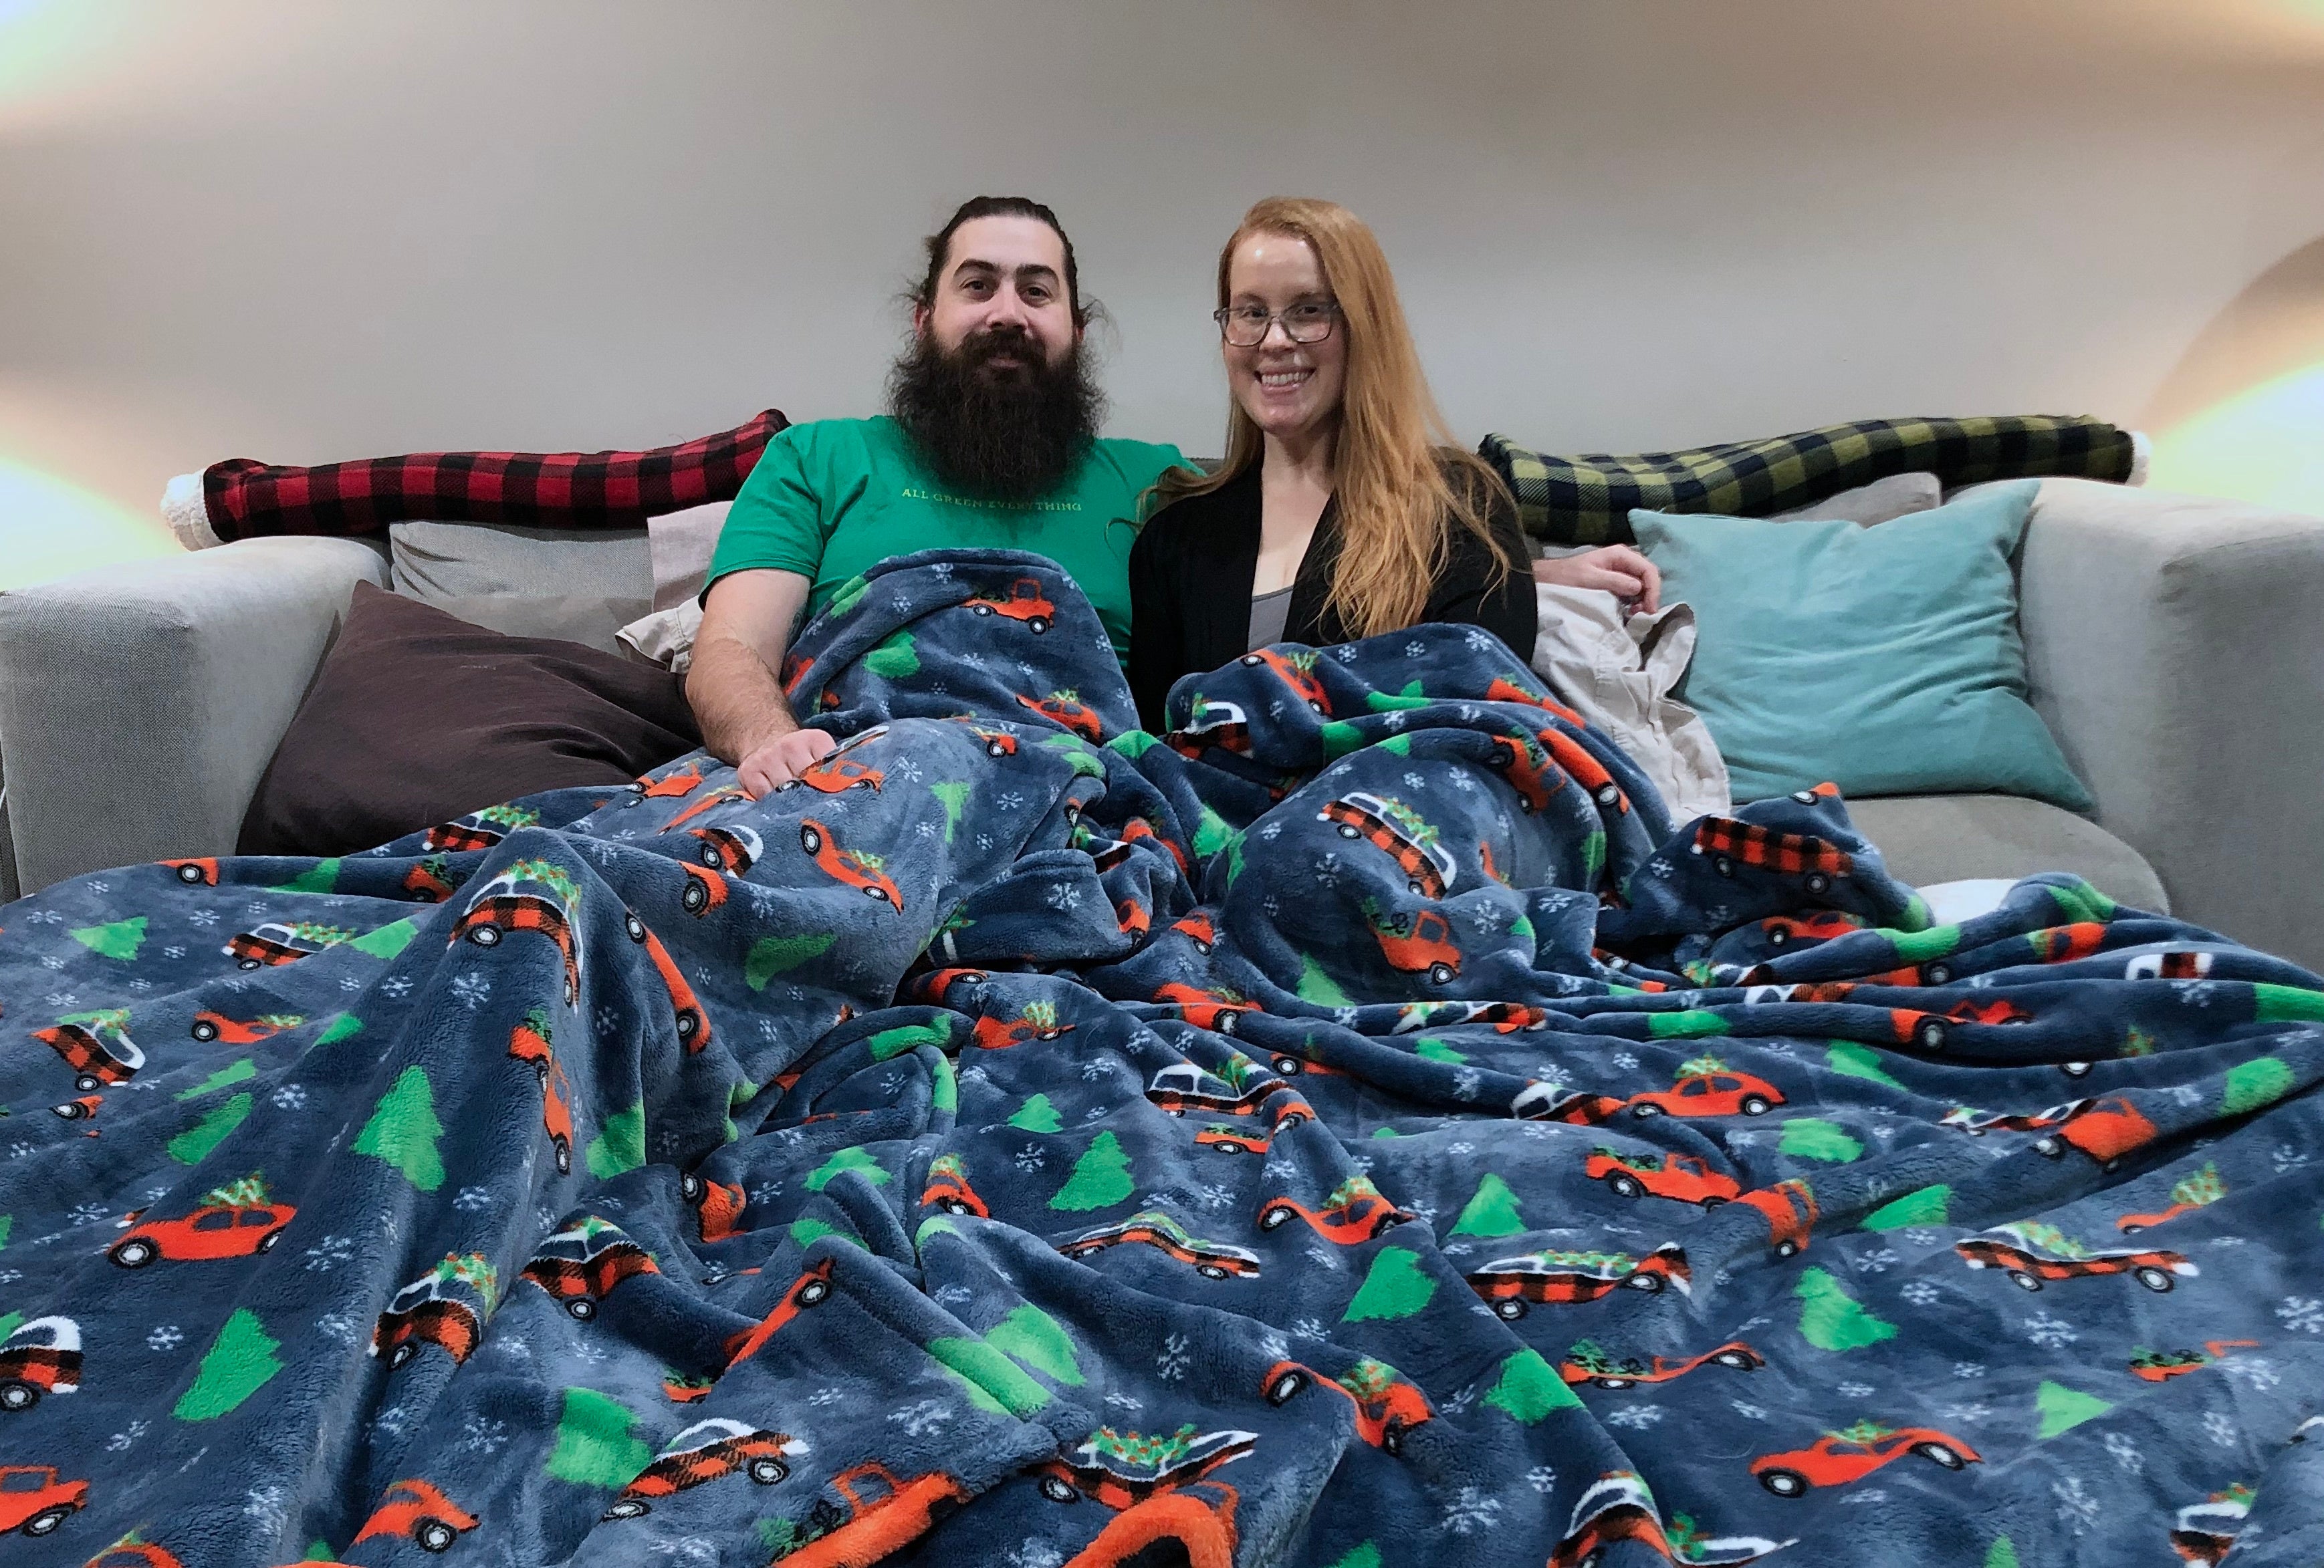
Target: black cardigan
(1192, 569)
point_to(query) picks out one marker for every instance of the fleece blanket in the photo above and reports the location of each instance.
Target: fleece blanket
(1356, 1129)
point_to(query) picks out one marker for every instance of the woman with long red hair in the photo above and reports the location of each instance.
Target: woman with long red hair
(1343, 510)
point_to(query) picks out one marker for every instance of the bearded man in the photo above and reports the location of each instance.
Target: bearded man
(991, 441)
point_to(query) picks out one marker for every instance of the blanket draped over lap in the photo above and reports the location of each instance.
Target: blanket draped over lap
(1356, 1129)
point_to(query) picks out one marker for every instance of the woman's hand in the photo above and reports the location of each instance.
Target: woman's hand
(1619, 570)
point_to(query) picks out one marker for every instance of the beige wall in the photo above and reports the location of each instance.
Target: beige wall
(299, 230)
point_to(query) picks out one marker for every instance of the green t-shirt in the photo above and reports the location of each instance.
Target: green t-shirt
(832, 499)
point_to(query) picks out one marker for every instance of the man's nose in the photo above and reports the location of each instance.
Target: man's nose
(1008, 309)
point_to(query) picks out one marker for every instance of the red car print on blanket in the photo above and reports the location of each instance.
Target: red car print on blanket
(704, 889)
(2032, 1254)
(41, 1357)
(429, 879)
(1511, 1285)
(34, 1499)
(1729, 844)
(1214, 1010)
(1824, 926)
(478, 829)
(686, 1009)
(529, 1044)
(1065, 708)
(669, 786)
(1182, 1087)
(808, 1291)
(1168, 1505)
(836, 771)
(1539, 1102)
(1418, 944)
(196, 873)
(1021, 602)
(723, 795)
(1387, 1405)
(1791, 1211)
(1683, 1177)
(1977, 1123)
(1707, 1087)
(1399, 831)
(2205, 1531)
(733, 850)
(1844, 1457)
(277, 942)
(882, 1513)
(2189, 1193)
(419, 1511)
(1296, 670)
(2160, 1366)
(1208, 723)
(1153, 1228)
(857, 869)
(1524, 763)
(1197, 929)
(212, 1231)
(429, 1311)
(1037, 1022)
(1585, 770)
(2176, 965)
(209, 1026)
(584, 1263)
(95, 1046)
(718, 1206)
(948, 1189)
(1587, 1363)
(1231, 1141)
(1356, 1210)
(1503, 691)
(2108, 1130)
(704, 1453)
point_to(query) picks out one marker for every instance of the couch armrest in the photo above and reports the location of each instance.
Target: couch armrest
(140, 704)
(2174, 648)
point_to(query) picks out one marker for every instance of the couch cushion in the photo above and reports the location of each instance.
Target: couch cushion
(1930, 839)
(416, 718)
(499, 577)
(1896, 496)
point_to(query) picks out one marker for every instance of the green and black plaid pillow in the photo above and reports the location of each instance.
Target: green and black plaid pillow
(1587, 499)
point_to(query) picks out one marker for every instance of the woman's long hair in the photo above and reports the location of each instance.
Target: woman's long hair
(1395, 463)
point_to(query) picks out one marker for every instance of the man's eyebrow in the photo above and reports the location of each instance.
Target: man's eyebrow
(1030, 272)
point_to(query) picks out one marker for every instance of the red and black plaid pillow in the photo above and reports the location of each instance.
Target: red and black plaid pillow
(543, 489)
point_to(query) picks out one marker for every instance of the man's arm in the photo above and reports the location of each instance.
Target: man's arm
(736, 694)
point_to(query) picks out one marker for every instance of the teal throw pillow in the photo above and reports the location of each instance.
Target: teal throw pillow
(1886, 659)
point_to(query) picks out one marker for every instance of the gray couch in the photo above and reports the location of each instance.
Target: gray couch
(2170, 640)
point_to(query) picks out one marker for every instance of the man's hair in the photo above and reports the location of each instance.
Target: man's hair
(998, 206)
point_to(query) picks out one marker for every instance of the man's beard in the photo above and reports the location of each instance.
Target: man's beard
(1010, 435)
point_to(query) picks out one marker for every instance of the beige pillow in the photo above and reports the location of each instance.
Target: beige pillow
(681, 544)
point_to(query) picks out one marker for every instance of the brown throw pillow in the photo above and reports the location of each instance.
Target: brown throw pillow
(418, 717)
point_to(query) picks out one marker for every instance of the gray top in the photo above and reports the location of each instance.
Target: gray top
(1268, 612)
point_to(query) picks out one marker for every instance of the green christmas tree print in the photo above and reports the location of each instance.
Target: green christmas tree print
(1831, 1319)
(1395, 1287)
(1813, 1138)
(1039, 1341)
(1923, 1205)
(1858, 1061)
(2063, 1409)
(121, 939)
(1530, 1388)
(845, 1160)
(403, 1130)
(893, 659)
(620, 1144)
(238, 1364)
(773, 955)
(233, 1073)
(1037, 1116)
(1316, 985)
(2261, 1081)
(597, 1442)
(1491, 1212)
(1100, 1177)
(952, 793)
(388, 940)
(193, 1145)
(320, 878)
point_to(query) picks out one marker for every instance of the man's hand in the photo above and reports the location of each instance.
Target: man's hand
(781, 760)
(1618, 569)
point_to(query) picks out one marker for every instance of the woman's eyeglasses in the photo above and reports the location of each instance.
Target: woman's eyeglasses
(1246, 325)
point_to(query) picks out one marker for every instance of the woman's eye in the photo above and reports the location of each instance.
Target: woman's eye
(1302, 315)
(1250, 316)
